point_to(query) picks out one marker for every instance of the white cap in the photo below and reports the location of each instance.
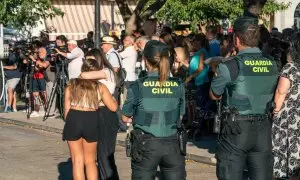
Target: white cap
(72, 42)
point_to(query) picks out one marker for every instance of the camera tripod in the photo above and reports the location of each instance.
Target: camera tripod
(58, 89)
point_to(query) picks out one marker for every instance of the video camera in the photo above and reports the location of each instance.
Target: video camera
(53, 53)
(60, 48)
(25, 49)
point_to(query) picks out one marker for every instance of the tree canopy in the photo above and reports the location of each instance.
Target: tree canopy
(209, 11)
(20, 14)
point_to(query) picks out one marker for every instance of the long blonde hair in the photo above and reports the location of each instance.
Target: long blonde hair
(85, 89)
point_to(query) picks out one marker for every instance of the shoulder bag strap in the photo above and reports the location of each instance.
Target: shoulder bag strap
(118, 59)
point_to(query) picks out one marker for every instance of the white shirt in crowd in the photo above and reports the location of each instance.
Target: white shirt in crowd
(129, 57)
(109, 82)
(112, 57)
(76, 60)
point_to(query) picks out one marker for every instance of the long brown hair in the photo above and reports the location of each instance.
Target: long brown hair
(102, 60)
(157, 55)
(85, 89)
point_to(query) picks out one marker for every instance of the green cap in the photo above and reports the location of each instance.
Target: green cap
(242, 24)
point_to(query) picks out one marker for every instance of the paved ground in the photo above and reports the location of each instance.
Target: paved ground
(27, 154)
(202, 150)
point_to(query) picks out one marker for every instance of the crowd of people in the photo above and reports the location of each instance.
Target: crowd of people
(155, 81)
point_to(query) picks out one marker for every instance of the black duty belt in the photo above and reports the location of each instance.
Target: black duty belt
(148, 136)
(251, 117)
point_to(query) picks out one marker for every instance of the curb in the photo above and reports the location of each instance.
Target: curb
(193, 157)
(31, 125)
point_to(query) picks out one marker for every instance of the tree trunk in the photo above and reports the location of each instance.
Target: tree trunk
(140, 14)
(124, 9)
(253, 7)
(152, 9)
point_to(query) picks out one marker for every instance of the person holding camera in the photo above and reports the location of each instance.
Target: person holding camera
(38, 83)
(55, 67)
(12, 75)
(75, 58)
(157, 125)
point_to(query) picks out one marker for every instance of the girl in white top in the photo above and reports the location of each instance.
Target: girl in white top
(106, 75)
(108, 122)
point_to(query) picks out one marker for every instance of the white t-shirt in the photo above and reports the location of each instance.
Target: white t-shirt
(129, 57)
(76, 60)
(109, 82)
(113, 57)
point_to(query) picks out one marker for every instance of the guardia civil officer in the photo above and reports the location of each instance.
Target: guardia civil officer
(155, 105)
(248, 80)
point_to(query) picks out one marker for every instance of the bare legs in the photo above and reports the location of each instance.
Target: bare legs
(36, 99)
(83, 154)
(11, 99)
(10, 96)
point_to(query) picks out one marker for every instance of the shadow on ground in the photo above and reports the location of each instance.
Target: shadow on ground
(208, 142)
(65, 170)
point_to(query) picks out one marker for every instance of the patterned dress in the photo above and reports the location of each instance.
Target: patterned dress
(286, 127)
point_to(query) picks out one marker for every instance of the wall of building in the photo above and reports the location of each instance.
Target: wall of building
(285, 19)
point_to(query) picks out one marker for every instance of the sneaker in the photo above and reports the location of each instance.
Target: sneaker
(15, 110)
(34, 114)
(42, 113)
(8, 110)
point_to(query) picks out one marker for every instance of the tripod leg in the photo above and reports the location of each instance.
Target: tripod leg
(61, 98)
(50, 100)
(30, 97)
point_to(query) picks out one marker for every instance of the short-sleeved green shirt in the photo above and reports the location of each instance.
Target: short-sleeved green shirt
(220, 81)
(154, 109)
(223, 77)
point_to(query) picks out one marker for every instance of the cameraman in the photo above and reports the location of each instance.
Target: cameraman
(38, 83)
(88, 43)
(12, 75)
(75, 56)
(61, 41)
(50, 73)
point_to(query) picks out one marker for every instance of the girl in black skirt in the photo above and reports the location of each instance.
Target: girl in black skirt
(82, 99)
(108, 120)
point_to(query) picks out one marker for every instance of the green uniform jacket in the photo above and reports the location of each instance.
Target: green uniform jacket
(254, 84)
(155, 109)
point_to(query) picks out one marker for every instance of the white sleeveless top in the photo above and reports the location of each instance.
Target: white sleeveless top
(109, 82)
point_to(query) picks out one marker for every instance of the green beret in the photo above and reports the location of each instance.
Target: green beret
(243, 23)
(153, 47)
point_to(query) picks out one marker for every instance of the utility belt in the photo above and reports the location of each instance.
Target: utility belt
(226, 121)
(137, 137)
(251, 117)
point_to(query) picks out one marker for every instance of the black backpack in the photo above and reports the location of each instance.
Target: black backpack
(121, 75)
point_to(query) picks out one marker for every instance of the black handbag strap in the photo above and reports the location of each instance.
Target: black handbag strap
(118, 59)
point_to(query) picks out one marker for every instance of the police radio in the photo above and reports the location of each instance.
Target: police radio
(128, 143)
(217, 118)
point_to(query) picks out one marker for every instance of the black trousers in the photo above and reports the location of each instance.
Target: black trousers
(108, 129)
(249, 150)
(162, 152)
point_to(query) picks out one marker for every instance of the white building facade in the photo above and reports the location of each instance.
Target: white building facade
(289, 17)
